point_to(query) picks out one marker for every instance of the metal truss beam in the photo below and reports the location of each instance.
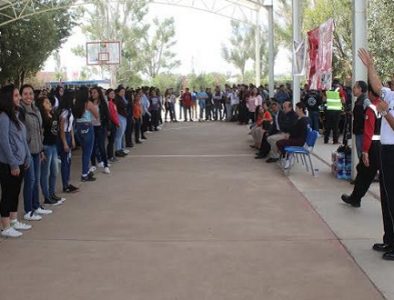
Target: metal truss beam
(11, 11)
(239, 10)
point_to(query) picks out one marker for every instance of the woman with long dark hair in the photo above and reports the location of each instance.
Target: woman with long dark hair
(100, 126)
(31, 190)
(84, 111)
(121, 105)
(49, 164)
(66, 140)
(57, 97)
(114, 125)
(14, 160)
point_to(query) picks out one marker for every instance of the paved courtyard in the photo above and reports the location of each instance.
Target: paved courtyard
(187, 215)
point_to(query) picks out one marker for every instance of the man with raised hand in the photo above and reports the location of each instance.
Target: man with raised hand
(386, 109)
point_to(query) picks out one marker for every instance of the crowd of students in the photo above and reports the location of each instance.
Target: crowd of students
(39, 128)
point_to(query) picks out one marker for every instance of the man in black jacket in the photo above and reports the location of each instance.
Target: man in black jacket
(360, 91)
(285, 122)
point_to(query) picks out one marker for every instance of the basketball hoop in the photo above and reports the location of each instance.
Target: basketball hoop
(103, 53)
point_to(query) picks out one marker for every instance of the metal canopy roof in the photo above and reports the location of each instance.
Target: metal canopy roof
(240, 10)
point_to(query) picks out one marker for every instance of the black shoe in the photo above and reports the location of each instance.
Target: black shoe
(50, 201)
(271, 160)
(138, 142)
(389, 255)
(124, 153)
(70, 189)
(57, 198)
(87, 178)
(347, 199)
(120, 154)
(382, 247)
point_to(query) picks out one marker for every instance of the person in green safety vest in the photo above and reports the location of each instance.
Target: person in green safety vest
(335, 98)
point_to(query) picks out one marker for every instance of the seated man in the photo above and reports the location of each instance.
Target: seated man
(297, 133)
(285, 121)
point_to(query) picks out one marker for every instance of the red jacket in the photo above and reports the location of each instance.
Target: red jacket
(187, 99)
(369, 126)
(113, 112)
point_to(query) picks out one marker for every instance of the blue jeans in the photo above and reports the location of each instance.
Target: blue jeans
(359, 144)
(49, 171)
(314, 116)
(65, 157)
(85, 134)
(31, 191)
(120, 133)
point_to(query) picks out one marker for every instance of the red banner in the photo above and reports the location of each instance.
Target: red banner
(320, 42)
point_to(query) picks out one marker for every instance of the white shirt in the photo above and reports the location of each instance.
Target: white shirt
(68, 118)
(386, 132)
(234, 98)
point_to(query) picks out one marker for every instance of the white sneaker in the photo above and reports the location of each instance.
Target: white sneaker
(144, 139)
(43, 211)
(126, 151)
(19, 225)
(287, 164)
(92, 169)
(11, 233)
(30, 216)
(107, 171)
(101, 165)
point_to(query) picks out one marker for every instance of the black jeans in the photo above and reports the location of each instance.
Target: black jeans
(332, 124)
(365, 175)
(100, 133)
(10, 190)
(155, 118)
(111, 141)
(137, 129)
(387, 192)
(187, 109)
(129, 132)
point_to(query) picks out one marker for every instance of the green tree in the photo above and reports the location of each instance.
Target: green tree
(157, 55)
(26, 44)
(121, 21)
(381, 35)
(164, 81)
(241, 47)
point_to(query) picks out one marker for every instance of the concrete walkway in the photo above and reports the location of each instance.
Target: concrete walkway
(188, 215)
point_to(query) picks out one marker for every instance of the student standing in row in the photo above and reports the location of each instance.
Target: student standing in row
(14, 160)
(84, 112)
(66, 140)
(31, 117)
(49, 164)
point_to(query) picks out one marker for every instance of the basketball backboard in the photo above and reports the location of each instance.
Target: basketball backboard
(103, 53)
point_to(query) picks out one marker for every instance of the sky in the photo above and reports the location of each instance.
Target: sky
(199, 36)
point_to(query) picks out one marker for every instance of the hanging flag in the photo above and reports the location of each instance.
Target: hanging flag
(320, 41)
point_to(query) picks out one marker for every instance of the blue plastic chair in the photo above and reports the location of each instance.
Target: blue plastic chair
(303, 152)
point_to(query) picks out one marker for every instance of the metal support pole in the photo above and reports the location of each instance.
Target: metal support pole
(257, 48)
(360, 40)
(296, 38)
(271, 58)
